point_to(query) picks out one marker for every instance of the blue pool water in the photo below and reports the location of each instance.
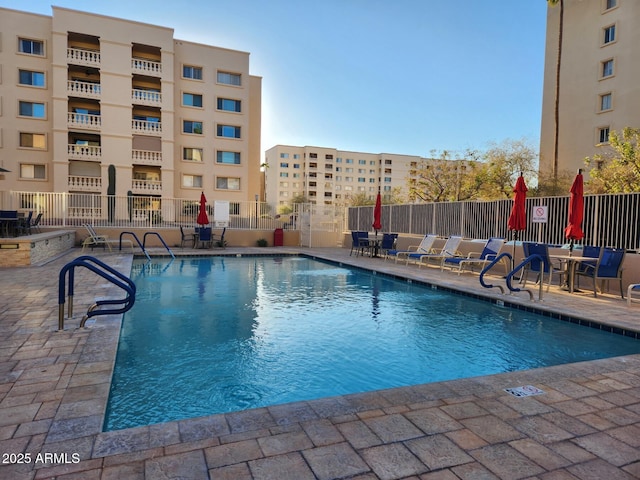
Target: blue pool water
(212, 335)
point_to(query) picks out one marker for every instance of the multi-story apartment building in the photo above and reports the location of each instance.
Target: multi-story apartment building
(327, 176)
(102, 105)
(599, 88)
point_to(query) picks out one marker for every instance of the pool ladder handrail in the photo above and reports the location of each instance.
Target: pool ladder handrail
(493, 263)
(519, 267)
(106, 272)
(144, 241)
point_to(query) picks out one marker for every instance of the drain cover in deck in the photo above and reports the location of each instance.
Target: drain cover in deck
(524, 391)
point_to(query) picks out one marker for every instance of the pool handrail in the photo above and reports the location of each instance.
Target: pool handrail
(490, 266)
(144, 242)
(519, 267)
(106, 272)
(137, 241)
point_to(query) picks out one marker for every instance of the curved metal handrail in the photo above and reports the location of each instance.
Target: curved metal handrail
(490, 266)
(106, 272)
(519, 267)
(144, 242)
(141, 245)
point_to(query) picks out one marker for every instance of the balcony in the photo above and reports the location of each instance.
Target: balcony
(146, 157)
(84, 152)
(86, 58)
(84, 184)
(146, 97)
(145, 127)
(146, 67)
(146, 187)
(84, 121)
(78, 88)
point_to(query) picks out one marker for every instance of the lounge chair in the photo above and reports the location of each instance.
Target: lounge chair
(95, 240)
(608, 267)
(449, 250)
(426, 246)
(633, 293)
(473, 259)
(541, 267)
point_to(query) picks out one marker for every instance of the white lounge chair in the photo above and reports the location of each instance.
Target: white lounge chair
(450, 249)
(426, 246)
(488, 254)
(95, 240)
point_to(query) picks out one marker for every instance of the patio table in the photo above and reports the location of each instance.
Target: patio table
(572, 262)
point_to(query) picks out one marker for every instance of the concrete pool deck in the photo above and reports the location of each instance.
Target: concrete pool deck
(54, 387)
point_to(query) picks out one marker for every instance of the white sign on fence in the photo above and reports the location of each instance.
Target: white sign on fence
(221, 213)
(539, 214)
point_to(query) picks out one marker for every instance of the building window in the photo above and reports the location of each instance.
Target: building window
(31, 47)
(228, 131)
(192, 100)
(34, 79)
(33, 140)
(284, 175)
(32, 172)
(607, 68)
(228, 183)
(296, 156)
(609, 35)
(284, 155)
(192, 181)
(189, 126)
(192, 154)
(229, 105)
(284, 165)
(296, 165)
(605, 102)
(609, 4)
(349, 160)
(603, 135)
(32, 109)
(229, 158)
(230, 78)
(189, 71)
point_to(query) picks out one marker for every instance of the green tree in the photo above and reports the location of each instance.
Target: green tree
(552, 186)
(502, 164)
(443, 179)
(618, 169)
(360, 200)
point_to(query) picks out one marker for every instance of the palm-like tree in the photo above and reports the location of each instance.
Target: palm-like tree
(553, 3)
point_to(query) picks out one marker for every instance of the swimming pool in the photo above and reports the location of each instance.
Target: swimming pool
(215, 334)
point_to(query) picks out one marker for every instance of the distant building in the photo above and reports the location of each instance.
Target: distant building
(327, 176)
(599, 86)
(80, 92)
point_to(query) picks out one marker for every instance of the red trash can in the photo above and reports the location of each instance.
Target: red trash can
(278, 237)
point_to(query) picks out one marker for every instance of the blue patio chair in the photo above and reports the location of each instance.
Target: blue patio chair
(388, 243)
(426, 246)
(205, 239)
(608, 267)
(540, 267)
(587, 251)
(359, 242)
(488, 254)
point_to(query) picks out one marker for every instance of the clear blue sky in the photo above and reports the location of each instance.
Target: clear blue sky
(394, 76)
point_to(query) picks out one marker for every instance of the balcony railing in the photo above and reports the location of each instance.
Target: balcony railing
(146, 67)
(149, 187)
(79, 56)
(146, 157)
(146, 127)
(146, 97)
(78, 88)
(84, 121)
(84, 152)
(85, 184)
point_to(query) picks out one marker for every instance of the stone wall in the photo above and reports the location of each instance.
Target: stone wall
(35, 249)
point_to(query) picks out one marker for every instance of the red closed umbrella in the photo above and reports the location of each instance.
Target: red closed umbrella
(203, 218)
(377, 214)
(573, 231)
(518, 218)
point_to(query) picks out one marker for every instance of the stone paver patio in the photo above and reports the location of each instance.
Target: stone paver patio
(54, 387)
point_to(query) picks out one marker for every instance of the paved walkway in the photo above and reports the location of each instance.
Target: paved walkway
(54, 387)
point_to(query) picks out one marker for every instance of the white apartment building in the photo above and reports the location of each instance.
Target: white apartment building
(599, 88)
(327, 176)
(100, 105)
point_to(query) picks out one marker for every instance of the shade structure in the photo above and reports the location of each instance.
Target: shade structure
(377, 214)
(573, 231)
(203, 218)
(4, 170)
